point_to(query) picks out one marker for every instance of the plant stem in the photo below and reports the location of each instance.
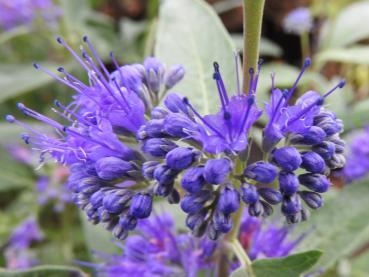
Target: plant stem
(252, 20)
(242, 257)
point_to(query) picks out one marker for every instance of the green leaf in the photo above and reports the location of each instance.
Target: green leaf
(353, 55)
(16, 79)
(45, 270)
(191, 34)
(14, 175)
(97, 237)
(291, 266)
(347, 28)
(340, 226)
(239, 272)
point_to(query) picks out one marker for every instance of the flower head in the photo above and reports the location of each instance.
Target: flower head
(298, 21)
(124, 149)
(14, 13)
(18, 253)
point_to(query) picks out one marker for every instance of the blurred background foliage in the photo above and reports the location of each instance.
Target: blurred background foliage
(133, 29)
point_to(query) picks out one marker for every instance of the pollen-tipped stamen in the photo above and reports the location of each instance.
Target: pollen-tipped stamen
(186, 102)
(304, 67)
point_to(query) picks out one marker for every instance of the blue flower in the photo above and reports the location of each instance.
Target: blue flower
(262, 172)
(357, 166)
(298, 21)
(15, 13)
(124, 149)
(17, 252)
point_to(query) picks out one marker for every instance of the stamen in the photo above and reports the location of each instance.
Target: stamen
(306, 65)
(70, 76)
(38, 116)
(218, 78)
(250, 102)
(78, 117)
(116, 65)
(186, 102)
(101, 78)
(318, 102)
(340, 85)
(256, 79)
(48, 72)
(94, 53)
(126, 107)
(275, 111)
(66, 46)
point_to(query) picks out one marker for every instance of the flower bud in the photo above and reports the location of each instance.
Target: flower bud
(178, 125)
(313, 199)
(158, 147)
(128, 222)
(249, 193)
(154, 73)
(216, 171)
(222, 222)
(213, 234)
(314, 135)
(164, 174)
(141, 205)
(181, 157)
(262, 172)
(291, 205)
(315, 182)
(229, 200)
(174, 75)
(288, 158)
(196, 219)
(164, 190)
(148, 169)
(193, 179)
(270, 195)
(256, 209)
(116, 201)
(267, 209)
(175, 104)
(328, 122)
(158, 113)
(313, 162)
(110, 168)
(325, 149)
(152, 129)
(288, 183)
(119, 232)
(96, 198)
(337, 161)
(193, 203)
(174, 197)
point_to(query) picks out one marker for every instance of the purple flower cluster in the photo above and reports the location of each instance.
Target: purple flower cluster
(158, 250)
(298, 21)
(357, 165)
(123, 148)
(14, 13)
(17, 253)
(266, 240)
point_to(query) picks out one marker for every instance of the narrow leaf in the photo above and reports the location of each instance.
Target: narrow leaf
(46, 270)
(291, 266)
(191, 34)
